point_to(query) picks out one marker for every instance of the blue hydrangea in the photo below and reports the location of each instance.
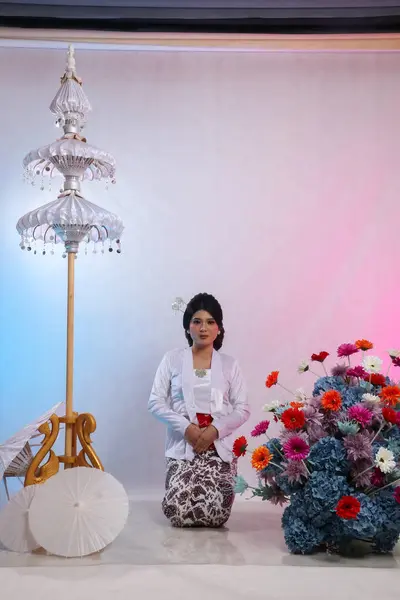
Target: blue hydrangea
(298, 508)
(287, 487)
(387, 510)
(326, 488)
(393, 441)
(329, 454)
(352, 395)
(366, 524)
(323, 384)
(275, 447)
(302, 537)
(385, 541)
(279, 410)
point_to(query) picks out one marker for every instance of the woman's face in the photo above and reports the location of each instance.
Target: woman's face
(203, 329)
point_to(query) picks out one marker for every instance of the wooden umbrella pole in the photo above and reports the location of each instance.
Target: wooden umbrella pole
(70, 356)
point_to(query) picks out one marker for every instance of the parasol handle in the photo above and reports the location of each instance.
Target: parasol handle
(70, 355)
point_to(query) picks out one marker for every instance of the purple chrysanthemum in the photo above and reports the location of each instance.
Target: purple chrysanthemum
(314, 427)
(287, 435)
(361, 414)
(358, 371)
(295, 471)
(361, 473)
(345, 350)
(277, 495)
(358, 446)
(314, 402)
(296, 448)
(339, 370)
(260, 429)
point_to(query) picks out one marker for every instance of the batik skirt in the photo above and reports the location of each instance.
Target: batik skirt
(200, 492)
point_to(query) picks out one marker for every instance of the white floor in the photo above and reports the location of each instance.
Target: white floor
(247, 559)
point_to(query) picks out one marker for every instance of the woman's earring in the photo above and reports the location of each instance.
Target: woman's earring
(219, 333)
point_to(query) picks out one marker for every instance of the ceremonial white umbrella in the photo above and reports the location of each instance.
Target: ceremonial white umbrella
(78, 512)
(15, 533)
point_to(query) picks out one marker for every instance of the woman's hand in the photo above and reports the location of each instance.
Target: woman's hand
(206, 439)
(192, 434)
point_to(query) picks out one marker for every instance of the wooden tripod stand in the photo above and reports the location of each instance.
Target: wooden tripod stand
(77, 427)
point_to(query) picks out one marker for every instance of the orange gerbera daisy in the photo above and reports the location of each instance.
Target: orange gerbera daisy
(364, 345)
(261, 458)
(390, 395)
(331, 400)
(272, 379)
(296, 404)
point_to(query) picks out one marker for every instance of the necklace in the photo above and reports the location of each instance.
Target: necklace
(200, 373)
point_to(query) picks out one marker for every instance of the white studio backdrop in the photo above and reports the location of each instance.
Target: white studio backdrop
(269, 180)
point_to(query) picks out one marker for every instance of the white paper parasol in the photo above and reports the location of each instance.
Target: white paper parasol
(10, 449)
(78, 512)
(15, 533)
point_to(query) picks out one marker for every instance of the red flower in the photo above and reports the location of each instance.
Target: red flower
(364, 345)
(296, 404)
(240, 446)
(331, 400)
(376, 379)
(397, 494)
(272, 379)
(389, 415)
(390, 395)
(319, 357)
(377, 477)
(348, 507)
(293, 418)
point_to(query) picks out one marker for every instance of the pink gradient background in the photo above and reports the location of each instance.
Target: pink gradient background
(270, 180)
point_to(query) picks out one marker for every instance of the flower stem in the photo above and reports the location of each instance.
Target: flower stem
(385, 486)
(362, 472)
(275, 465)
(378, 432)
(286, 390)
(274, 447)
(316, 374)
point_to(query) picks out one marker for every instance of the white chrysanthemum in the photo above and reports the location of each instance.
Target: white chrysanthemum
(372, 364)
(384, 460)
(393, 353)
(271, 407)
(371, 398)
(300, 395)
(303, 366)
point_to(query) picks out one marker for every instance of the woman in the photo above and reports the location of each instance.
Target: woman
(201, 396)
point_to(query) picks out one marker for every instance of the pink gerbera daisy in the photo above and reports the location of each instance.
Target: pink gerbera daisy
(356, 372)
(260, 429)
(346, 350)
(361, 414)
(296, 448)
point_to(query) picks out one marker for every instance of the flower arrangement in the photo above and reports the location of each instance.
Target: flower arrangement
(336, 461)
